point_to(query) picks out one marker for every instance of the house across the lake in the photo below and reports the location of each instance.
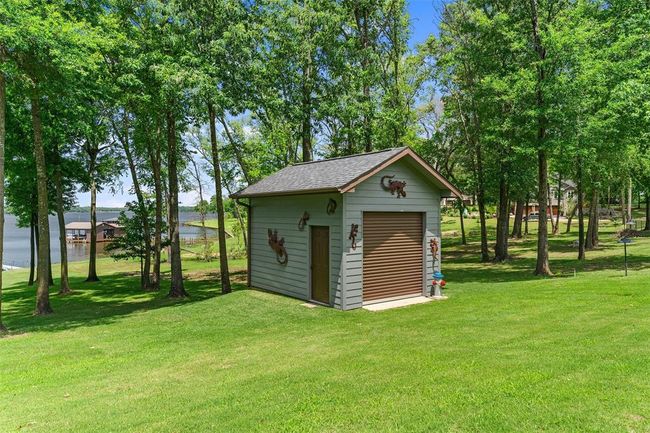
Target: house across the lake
(80, 231)
(347, 231)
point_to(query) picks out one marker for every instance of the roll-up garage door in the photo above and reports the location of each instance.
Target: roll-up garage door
(393, 255)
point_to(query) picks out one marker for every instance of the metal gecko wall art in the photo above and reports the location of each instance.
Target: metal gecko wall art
(303, 221)
(433, 244)
(394, 186)
(354, 230)
(277, 245)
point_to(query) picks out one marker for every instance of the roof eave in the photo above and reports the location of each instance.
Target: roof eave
(285, 193)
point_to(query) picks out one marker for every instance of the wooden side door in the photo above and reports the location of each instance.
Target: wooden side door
(320, 264)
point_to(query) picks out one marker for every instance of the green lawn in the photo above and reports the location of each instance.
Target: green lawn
(507, 352)
(235, 243)
(213, 223)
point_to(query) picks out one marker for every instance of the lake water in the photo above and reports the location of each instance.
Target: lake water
(16, 244)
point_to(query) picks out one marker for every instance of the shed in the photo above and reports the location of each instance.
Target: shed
(347, 231)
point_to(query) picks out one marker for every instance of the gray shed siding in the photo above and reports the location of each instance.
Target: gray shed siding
(369, 196)
(283, 213)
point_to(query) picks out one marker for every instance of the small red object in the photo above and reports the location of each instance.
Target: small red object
(443, 283)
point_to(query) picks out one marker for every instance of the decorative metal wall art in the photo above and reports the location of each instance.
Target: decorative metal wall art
(331, 206)
(354, 230)
(394, 186)
(303, 220)
(277, 245)
(433, 244)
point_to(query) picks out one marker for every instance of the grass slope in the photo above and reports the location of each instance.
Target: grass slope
(213, 223)
(507, 352)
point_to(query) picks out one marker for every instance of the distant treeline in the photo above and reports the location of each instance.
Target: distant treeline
(119, 209)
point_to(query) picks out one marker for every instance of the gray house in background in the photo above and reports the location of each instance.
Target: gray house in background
(347, 231)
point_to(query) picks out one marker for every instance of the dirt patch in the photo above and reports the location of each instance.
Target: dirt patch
(235, 277)
(12, 335)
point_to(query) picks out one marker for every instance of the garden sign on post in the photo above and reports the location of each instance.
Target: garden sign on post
(625, 241)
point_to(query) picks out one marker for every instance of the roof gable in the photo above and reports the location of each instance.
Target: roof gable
(85, 225)
(338, 174)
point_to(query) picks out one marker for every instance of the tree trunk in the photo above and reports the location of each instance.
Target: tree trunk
(202, 211)
(157, 237)
(242, 224)
(581, 222)
(240, 219)
(461, 208)
(306, 114)
(92, 260)
(237, 151)
(589, 243)
(32, 250)
(177, 289)
(3, 97)
(556, 229)
(592, 228)
(570, 217)
(361, 16)
(519, 216)
(165, 186)
(527, 212)
(43, 286)
(477, 162)
(223, 252)
(647, 210)
(596, 218)
(145, 279)
(480, 198)
(550, 210)
(63, 245)
(50, 276)
(542, 267)
(624, 215)
(501, 249)
(629, 199)
(155, 159)
(36, 242)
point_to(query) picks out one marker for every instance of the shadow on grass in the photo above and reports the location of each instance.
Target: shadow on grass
(103, 302)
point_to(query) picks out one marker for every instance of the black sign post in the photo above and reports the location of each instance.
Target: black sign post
(625, 241)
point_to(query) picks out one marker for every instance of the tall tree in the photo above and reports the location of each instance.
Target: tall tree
(60, 212)
(3, 104)
(123, 133)
(457, 60)
(216, 164)
(97, 164)
(43, 274)
(542, 267)
(177, 288)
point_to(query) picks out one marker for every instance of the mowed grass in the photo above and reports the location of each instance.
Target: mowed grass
(507, 352)
(213, 223)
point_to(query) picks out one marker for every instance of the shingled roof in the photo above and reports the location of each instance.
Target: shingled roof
(334, 175)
